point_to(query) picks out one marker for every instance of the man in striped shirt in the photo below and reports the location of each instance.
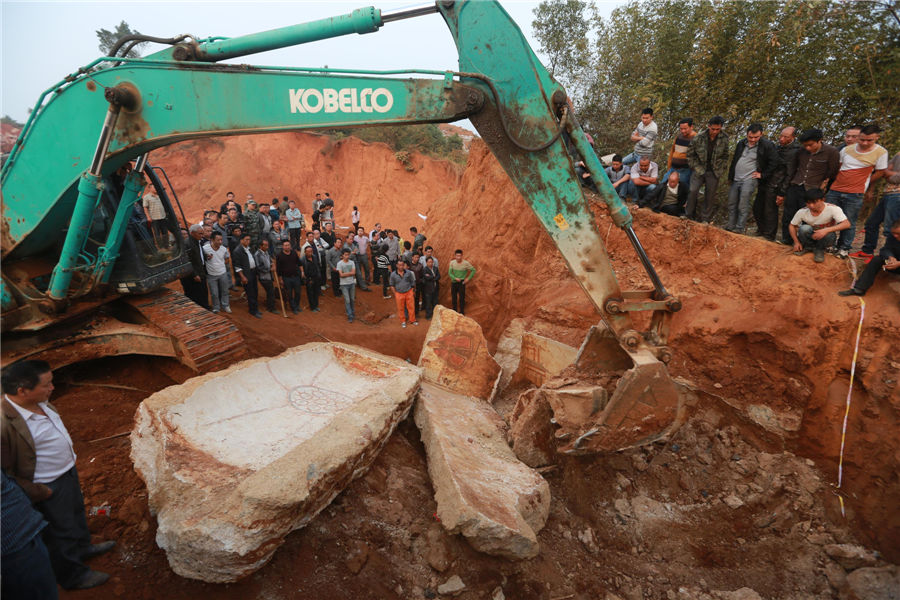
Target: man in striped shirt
(861, 164)
(643, 136)
(678, 153)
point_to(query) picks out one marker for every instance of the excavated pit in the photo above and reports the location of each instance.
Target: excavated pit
(742, 496)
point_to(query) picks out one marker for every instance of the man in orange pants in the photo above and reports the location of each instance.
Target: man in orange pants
(404, 283)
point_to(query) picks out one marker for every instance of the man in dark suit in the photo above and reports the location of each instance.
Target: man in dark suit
(194, 284)
(245, 270)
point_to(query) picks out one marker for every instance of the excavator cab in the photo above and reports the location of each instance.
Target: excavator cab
(152, 254)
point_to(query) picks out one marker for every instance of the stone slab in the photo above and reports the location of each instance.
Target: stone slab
(575, 405)
(482, 490)
(509, 350)
(455, 356)
(235, 460)
(531, 429)
(542, 358)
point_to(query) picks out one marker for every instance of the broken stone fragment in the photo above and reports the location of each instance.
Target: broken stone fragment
(235, 460)
(451, 587)
(850, 556)
(531, 429)
(455, 356)
(542, 358)
(733, 501)
(482, 490)
(871, 583)
(509, 350)
(575, 405)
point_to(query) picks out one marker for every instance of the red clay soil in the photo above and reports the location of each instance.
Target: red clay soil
(299, 165)
(742, 496)
(760, 327)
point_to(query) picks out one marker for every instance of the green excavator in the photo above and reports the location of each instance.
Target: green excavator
(82, 278)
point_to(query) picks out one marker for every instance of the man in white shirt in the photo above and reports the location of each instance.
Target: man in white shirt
(644, 178)
(37, 452)
(218, 264)
(362, 254)
(816, 227)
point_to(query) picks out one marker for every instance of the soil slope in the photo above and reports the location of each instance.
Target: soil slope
(742, 496)
(299, 165)
(760, 328)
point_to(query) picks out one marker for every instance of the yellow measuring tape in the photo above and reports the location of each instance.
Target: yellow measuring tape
(862, 314)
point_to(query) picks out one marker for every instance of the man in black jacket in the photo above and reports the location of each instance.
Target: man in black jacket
(755, 159)
(194, 283)
(765, 209)
(887, 260)
(430, 278)
(670, 197)
(245, 269)
(815, 165)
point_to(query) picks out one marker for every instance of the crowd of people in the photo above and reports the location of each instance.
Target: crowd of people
(272, 246)
(820, 189)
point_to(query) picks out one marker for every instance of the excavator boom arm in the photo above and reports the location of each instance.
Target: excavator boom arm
(521, 112)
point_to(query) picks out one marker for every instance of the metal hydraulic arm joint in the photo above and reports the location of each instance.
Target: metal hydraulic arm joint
(89, 188)
(630, 301)
(360, 21)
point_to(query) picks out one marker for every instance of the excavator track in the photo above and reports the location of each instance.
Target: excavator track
(203, 341)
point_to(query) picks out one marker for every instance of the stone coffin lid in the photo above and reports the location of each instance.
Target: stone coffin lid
(455, 356)
(235, 460)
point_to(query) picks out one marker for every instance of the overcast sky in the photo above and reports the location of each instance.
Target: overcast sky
(45, 41)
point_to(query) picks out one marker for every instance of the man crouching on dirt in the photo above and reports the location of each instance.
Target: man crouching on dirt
(815, 227)
(37, 453)
(888, 260)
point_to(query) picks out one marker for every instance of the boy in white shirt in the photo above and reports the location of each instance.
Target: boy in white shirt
(815, 227)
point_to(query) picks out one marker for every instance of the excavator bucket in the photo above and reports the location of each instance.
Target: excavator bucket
(646, 406)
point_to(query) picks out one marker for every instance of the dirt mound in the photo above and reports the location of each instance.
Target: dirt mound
(8, 135)
(761, 328)
(299, 165)
(742, 496)
(467, 136)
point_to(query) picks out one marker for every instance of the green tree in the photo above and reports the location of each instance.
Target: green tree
(562, 27)
(8, 120)
(107, 39)
(426, 138)
(795, 62)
